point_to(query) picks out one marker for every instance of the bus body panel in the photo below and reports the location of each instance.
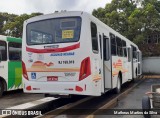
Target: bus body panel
(4, 70)
(14, 75)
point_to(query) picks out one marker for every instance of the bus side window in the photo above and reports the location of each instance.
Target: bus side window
(3, 51)
(94, 37)
(113, 45)
(14, 51)
(100, 41)
(134, 52)
(129, 54)
(119, 46)
(124, 48)
(0, 56)
(138, 56)
(105, 47)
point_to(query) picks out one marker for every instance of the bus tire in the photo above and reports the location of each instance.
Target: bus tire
(118, 88)
(146, 106)
(1, 88)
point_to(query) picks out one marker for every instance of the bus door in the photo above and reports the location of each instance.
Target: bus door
(3, 59)
(135, 62)
(132, 60)
(107, 63)
(130, 64)
(139, 57)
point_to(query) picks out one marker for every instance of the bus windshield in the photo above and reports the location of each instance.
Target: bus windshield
(57, 30)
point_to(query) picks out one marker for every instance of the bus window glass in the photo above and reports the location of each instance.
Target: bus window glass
(138, 56)
(100, 45)
(68, 24)
(40, 37)
(124, 48)
(125, 51)
(113, 44)
(134, 52)
(14, 51)
(105, 47)
(129, 54)
(50, 31)
(119, 46)
(3, 51)
(94, 37)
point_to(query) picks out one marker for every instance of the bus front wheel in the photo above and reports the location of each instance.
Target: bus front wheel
(1, 88)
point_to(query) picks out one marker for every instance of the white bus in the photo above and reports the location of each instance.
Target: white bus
(10, 64)
(75, 53)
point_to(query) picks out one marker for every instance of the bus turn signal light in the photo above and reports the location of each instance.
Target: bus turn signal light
(85, 69)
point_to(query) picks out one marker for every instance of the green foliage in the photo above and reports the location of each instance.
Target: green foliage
(5, 17)
(131, 20)
(12, 25)
(139, 39)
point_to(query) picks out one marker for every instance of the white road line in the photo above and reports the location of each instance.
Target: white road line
(33, 103)
(29, 105)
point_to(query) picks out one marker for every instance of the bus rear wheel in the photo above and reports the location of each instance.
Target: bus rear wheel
(1, 88)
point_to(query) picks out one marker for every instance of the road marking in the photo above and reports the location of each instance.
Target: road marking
(33, 103)
(29, 104)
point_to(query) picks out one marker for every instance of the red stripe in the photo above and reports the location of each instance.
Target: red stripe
(68, 48)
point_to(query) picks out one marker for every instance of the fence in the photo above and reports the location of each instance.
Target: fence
(151, 65)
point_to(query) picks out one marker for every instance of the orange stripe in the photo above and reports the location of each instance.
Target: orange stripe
(53, 70)
(96, 79)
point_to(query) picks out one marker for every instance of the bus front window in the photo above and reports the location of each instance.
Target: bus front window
(50, 31)
(3, 51)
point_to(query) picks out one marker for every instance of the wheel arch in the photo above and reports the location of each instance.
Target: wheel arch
(4, 83)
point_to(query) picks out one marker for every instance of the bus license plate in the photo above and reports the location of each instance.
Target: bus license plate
(52, 78)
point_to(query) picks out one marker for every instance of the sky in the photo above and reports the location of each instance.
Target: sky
(49, 6)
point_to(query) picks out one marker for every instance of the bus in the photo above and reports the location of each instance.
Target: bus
(10, 64)
(74, 53)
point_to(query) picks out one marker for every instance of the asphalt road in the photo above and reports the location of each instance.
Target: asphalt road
(17, 97)
(133, 100)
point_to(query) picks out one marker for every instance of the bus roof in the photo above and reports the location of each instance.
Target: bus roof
(13, 39)
(55, 15)
(10, 39)
(77, 13)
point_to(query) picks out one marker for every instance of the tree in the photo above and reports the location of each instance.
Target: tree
(15, 27)
(126, 17)
(133, 20)
(5, 17)
(115, 15)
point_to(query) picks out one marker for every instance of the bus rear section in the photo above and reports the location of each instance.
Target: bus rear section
(55, 58)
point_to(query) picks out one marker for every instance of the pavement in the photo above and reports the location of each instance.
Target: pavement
(17, 97)
(133, 100)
